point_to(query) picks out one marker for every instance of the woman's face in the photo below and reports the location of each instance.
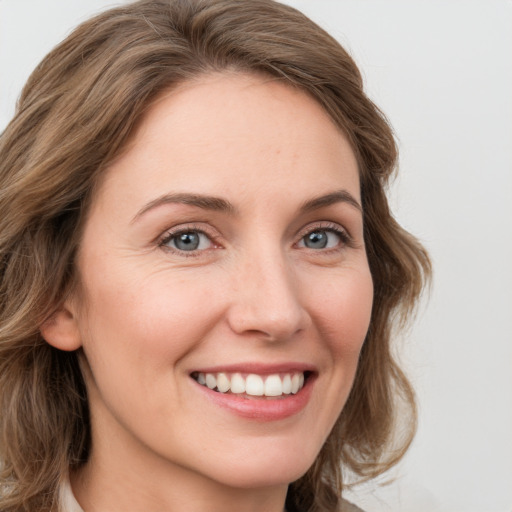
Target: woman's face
(225, 245)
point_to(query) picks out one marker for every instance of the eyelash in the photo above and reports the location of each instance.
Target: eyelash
(344, 236)
(173, 234)
(345, 239)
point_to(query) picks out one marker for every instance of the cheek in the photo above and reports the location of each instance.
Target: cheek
(136, 336)
(156, 320)
(342, 309)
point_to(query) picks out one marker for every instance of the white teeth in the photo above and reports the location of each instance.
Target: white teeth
(237, 384)
(295, 383)
(223, 383)
(273, 386)
(253, 384)
(287, 384)
(211, 381)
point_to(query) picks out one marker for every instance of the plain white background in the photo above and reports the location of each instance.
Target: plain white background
(442, 72)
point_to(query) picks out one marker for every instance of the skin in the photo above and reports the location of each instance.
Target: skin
(148, 314)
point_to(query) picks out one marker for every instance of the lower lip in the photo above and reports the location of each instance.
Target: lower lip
(261, 408)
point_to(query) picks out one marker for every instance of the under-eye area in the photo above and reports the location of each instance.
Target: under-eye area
(252, 384)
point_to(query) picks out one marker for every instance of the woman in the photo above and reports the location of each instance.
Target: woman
(199, 272)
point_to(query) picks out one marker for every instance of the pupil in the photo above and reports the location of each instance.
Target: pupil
(187, 241)
(316, 240)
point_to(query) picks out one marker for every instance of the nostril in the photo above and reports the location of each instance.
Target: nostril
(269, 319)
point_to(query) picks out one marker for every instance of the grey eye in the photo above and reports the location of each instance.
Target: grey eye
(321, 239)
(188, 241)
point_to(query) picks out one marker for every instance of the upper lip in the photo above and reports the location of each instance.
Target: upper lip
(258, 368)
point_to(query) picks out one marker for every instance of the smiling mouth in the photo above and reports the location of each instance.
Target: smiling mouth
(253, 385)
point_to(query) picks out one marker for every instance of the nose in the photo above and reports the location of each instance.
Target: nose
(266, 299)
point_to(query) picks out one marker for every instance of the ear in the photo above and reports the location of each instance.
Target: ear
(61, 330)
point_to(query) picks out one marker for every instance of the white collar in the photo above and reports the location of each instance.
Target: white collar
(67, 500)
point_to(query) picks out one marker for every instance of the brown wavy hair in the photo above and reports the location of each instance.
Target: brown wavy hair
(75, 115)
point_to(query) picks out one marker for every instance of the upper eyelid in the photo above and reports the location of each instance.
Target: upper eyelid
(326, 225)
(183, 227)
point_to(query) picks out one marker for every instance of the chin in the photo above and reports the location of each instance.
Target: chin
(265, 478)
(265, 469)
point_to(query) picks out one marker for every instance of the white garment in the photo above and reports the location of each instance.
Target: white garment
(67, 501)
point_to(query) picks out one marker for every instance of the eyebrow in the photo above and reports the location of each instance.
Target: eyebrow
(199, 201)
(339, 196)
(218, 204)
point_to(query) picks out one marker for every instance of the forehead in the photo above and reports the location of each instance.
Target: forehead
(235, 133)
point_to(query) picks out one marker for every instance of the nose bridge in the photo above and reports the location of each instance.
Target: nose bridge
(266, 298)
